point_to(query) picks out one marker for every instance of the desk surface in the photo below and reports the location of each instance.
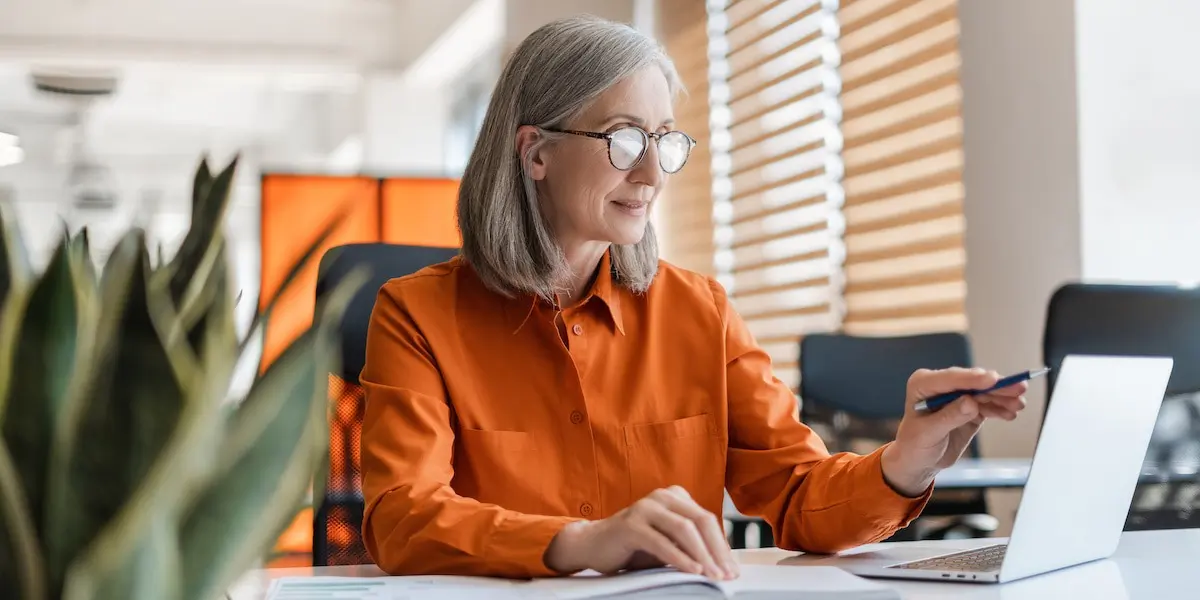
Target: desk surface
(984, 473)
(1147, 565)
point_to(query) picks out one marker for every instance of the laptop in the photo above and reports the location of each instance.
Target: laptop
(1081, 483)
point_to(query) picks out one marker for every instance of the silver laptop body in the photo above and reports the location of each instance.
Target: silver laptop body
(1085, 468)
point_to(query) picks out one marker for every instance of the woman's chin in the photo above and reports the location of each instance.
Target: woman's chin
(625, 234)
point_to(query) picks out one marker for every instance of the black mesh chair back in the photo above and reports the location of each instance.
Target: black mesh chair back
(337, 522)
(1142, 320)
(852, 391)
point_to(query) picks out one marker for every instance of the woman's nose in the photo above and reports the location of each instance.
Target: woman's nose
(648, 171)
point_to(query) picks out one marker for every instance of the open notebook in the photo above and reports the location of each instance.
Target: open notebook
(758, 582)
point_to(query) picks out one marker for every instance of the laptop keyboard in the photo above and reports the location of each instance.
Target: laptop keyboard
(971, 561)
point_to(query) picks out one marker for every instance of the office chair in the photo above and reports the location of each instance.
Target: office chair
(852, 392)
(1139, 320)
(337, 522)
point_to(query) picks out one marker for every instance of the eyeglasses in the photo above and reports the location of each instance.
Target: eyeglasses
(627, 146)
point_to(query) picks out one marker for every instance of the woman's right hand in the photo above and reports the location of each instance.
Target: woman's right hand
(666, 527)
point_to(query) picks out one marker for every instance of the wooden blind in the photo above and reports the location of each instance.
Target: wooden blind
(902, 152)
(777, 169)
(685, 208)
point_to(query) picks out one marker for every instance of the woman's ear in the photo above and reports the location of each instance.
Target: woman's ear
(527, 137)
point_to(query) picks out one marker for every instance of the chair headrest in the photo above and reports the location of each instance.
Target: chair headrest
(867, 376)
(385, 262)
(1126, 320)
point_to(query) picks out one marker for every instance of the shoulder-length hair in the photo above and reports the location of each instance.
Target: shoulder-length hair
(551, 77)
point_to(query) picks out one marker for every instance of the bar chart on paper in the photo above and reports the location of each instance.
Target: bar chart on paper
(384, 588)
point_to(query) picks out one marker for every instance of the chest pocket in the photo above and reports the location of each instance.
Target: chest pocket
(687, 452)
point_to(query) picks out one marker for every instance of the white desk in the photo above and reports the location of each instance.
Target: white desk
(984, 473)
(1147, 565)
(1158, 565)
(1013, 472)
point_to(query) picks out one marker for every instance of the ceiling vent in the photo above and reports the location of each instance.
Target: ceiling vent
(90, 183)
(79, 84)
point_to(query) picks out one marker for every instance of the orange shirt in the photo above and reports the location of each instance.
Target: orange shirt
(486, 431)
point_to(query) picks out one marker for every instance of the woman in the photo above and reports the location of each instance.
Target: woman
(557, 399)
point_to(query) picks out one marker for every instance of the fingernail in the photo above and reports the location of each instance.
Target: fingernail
(966, 408)
(732, 570)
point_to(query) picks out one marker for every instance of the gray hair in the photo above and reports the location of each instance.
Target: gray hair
(551, 77)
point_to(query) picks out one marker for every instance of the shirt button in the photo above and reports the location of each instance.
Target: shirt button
(576, 417)
(585, 509)
(578, 329)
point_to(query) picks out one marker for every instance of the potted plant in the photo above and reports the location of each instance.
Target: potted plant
(125, 471)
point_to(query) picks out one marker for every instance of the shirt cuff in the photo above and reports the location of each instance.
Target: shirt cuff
(519, 544)
(884, 504)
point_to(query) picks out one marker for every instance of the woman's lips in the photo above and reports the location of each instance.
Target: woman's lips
(635, 208)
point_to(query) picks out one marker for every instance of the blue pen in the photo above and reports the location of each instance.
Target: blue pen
(937, 402)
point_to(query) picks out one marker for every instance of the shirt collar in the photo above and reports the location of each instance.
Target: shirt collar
(604, 288)
(607, 291)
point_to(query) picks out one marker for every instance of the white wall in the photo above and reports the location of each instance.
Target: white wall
(1022, 194)
(524, 16)
(1081, 154)
(1139, 138)
(405, 126)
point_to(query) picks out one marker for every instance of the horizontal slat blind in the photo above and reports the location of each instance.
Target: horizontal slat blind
(902, 132)
(776, 169)
(685, 209)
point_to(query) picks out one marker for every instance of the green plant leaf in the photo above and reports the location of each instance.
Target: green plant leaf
(150, 572)
(209, 205)
(21, 567)
(200, 186)
(15, 269)
(81, 240)
(43, 356)
(121, 409)
(211, 283)
(276, 438)
(136, 556)
(81, 246)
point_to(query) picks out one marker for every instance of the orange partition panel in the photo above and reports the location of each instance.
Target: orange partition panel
(420, 212)
(295, 209)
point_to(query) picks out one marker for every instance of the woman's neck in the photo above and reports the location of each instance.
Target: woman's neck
(582, 260)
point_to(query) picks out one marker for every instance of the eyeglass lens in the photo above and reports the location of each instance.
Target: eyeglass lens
(628, 145)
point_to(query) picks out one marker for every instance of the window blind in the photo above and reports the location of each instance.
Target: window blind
(902, 129)
(686, 227)
(777, 168)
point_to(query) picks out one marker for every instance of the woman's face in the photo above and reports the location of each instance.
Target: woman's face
(586, 198)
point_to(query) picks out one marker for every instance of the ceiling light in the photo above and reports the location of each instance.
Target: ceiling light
(8, 140)
(467, 40)
(11, 155)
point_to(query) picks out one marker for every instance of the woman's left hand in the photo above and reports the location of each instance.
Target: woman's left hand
(926, 443)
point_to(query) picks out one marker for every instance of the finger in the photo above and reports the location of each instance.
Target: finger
(708, 525)
(956, 414)
(925, 383)
(654, 542)
(995, 411)
(684, 534)
(1014, 404)
(1016, 389)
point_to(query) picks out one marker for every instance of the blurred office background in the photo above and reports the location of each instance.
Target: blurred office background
(878, 167)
